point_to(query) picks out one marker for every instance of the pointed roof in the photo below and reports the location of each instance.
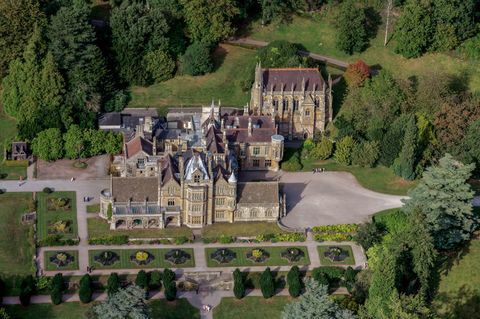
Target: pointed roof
(292, 78)
(138, 144)
(195, 163)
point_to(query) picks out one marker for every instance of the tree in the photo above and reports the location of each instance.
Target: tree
(368, 235)
(410, 307)
(356, 73)
(17, 21)
(444, 196)
(4, 314)
(113, 143)
(343, 150)
(315, 303)
(113, 284)
(471, 144)
(390, 146)
(56, 289)
(293, 164)
(142, 279)
(404, 164)
(294, 282)
(209, 21)
(27, 289)
(139, 35)
(85, 291)
(267, 284)
(196, 60)
(279, 54)
(160, 65)
(169, 284)
(155, 279)
(414, 29)
(74, 143)
(238, 284)
(351, 26)
(366, 154)
(127, 302)
(48, 145)
(323, 149)
(281, 9)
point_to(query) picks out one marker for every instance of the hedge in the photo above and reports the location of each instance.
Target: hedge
(12, 163)
(109, 240)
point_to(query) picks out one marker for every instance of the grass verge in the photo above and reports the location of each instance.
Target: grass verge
(251, 307)
(325, 261)
(240, 229)
(178, 309)
(46, 215)
(50, 266)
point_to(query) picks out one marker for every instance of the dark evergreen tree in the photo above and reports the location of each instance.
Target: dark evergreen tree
(56, 289)
(390, 146)
(294, 282)
(169, 285)
(351, 26)
(267, 284)
(85, 291)
(279, 54)
(238, 284)
(404, 165)
(142, 279)
(113, 284)
(155, 279)
(197, 59)
(369, 234)
(27, 289)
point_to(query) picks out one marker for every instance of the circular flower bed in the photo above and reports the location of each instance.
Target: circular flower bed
(142, 258)
(258, 255)
(336, 254)
(62, 259)
(177, 256)
(223, 255)
(293, 254)
(106, 258)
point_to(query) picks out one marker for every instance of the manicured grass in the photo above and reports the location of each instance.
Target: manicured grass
(240, 229)
(16, 239)
(233, 64)
(70, 310)
(178, 309)
(251, 308)
(52, 267)
(241, 259)
(125, 263)
(317, 33)
(46, 216)
(93, 208)
(98, 227)
(459, 290)
(324, 261)
(12, 172)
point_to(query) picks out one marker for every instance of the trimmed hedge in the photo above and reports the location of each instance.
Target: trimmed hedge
(12, 163)
(109, 240)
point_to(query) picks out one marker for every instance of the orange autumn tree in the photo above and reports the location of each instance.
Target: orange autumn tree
(356, 73)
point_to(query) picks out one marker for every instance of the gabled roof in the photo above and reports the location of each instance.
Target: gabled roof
(286, 77)
(214, 141)
(236, 128)
(135, 189)
(258, 193)
(169, 169)
(138, 144)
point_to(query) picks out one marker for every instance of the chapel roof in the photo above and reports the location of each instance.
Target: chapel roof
(286, 77)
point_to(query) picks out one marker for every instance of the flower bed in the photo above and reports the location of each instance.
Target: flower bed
(107, 258)
(223, 255)
(58, 203)
(141, 257)
(258, 255)
(293, 254)
(60, 227)
(177, 256)
(341, 232)
(336, 255)
(60, 260)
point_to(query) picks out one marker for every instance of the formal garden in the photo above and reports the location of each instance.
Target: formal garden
(61, 260)
(141, 258)
(336, 255)
(56, 217)
(256, 256)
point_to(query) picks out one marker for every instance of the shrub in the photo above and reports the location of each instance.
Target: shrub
(294, 283)
(169, 284)
(322, 150)
(113, 284)
(196, 60)
(109, 240)
(343, 151)
(349, 277)
(155, 279)
(369, 234)
(56, 289)
(85, 291)
(47, 190)
(109, 211)
(17, 163)
(238, 284)
(293, 163)
(142, 279)
(57, 240)
(471, 48)
(340, 232)
(366, 154)
(226, 239)
(328, 274)
(27, 289)
(356, 73)
(181, 240)
(267, 284)
(290, 237)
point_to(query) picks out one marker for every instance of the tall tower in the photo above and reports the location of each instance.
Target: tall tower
(257, 88)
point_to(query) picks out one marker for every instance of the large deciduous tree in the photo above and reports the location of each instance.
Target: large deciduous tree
(444, 196)
(315, 303)
(279, 54)
(48, 145)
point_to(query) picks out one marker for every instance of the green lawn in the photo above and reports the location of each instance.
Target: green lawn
(9, 131)
(12, 172)
(48, 215)
(52, 267)
(70, 310)
(324, 261)
(317, 34)
(241, 259)
(233, 64)
(94, 208)
(459, 290)
(125, 262)
(16, 239)
(240, 229)
(98, 227)
(178, 309)
(251, 308)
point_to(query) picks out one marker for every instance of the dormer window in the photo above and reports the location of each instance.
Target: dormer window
(196, 178)
(307, 112)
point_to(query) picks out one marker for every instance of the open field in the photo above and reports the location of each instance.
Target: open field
(317, 33)
(459, 290)
(240, 229)
(325, 261)
(232, 65)
(52, 267)
(16, 239)
(241, 259)
(47, 214)
(98, 227)
(125, 262)
(251, 308)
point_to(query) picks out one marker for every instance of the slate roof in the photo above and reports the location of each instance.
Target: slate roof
(138, 144)
(135, 189)
(110, 119)
(169, 169)
(258, 193)
(214, 141)
(286, 77)
(236, 128)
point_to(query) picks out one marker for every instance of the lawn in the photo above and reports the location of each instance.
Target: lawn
(178, 309)
(52, 267)
(317, 33)
(48, 214)
(9, 131)
(12, 172)
(240, 229)
(16, 240)
(459, 290)
(324, 261)
(251, 308)
(241, 259)
(98, 227)
(125, 262)
(233, 64)
(93, 208)
(70, 310)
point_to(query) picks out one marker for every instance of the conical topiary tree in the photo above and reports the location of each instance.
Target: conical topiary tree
(294, 283)
(267, 283)
(85, 292)
(238, 284)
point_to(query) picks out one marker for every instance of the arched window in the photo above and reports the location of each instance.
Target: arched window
(253, 213)
(295, 105)
(275, 104)
(269, 213)
(171, 202)
(285, 105)
(307, 112)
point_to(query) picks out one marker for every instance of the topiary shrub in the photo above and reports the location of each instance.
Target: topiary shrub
(169, 284)
(294, 282)
(155, 279)
(238, 284)
(47, 190)
(113, 284)
(85, 291)
(142, 279)
(267, 284)
(56, 289)
(27, 289)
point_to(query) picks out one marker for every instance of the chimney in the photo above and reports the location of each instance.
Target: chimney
(180, 166)
(154, 147)
(249, 126)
